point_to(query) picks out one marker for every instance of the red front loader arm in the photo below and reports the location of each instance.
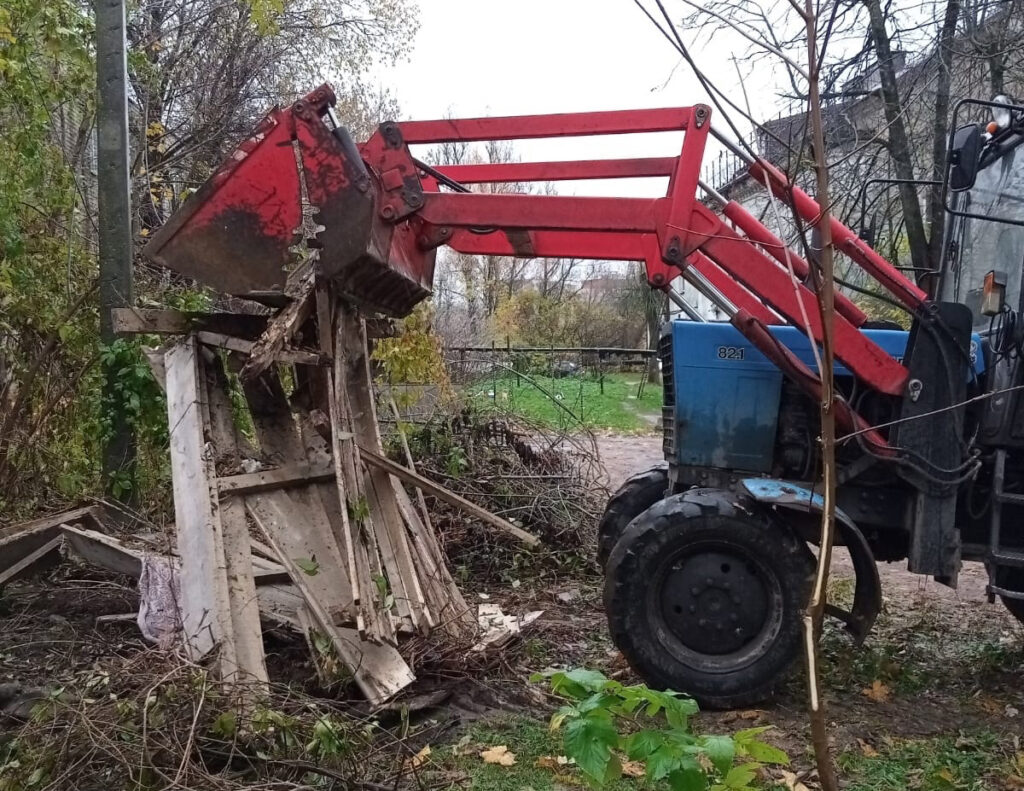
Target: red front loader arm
(382, 215)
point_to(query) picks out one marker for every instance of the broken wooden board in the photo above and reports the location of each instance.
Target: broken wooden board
(20, 541)
(247, 326)
(247, 636)
(205, 612)
(450, 497)
(104, 551)
(379, 670)
(283, 326)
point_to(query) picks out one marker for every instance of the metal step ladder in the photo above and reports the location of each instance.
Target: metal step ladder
(998, 555)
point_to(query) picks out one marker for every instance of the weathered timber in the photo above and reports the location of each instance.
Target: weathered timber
(450, 497)
(379, 670)
(205, 609)
(301, 474)
(250, 665)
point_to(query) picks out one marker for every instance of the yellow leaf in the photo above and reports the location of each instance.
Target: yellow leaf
(878, 692)
(498, 755)
(791, 781)
(417, 760)
(867, 750)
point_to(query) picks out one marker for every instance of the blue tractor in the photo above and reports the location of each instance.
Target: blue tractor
(708, 556)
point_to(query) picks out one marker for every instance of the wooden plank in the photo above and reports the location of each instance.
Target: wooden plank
(446, 600)
(450, 497)
(105, 551)
(50, 521)
(410, 463)
(250, 665)
(242, 346)
(302, 547)
(31, 558)
(379, 670)
(205, 610)
(309, 529)
(387, 520)
(301, 474)
(149, 321)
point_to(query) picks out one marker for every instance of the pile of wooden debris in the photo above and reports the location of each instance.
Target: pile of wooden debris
(286, 507)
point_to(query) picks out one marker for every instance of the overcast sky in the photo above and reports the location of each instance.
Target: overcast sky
(474, 57)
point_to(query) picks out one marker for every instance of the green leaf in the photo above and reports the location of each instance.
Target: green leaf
(748, 734)
(740, 777)
(765, 753)
(688, 777)
(309, 566)
(663, 761)
(589, 740)
(580, 680)
(721, 751)
(640, 745)
(225, 724)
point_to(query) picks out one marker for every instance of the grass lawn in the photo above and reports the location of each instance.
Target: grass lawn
(969, 762)
(568, 401)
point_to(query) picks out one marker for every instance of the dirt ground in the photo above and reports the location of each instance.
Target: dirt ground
(941, 666)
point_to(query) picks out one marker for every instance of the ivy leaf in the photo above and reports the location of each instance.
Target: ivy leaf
(590, 741)
(720, 750)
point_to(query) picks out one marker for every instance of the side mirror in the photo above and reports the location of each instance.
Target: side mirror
(964, 156)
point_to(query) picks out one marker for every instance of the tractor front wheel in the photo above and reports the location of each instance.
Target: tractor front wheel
(634, 497)
(707, 599)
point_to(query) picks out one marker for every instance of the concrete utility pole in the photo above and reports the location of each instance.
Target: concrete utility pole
(115, 226)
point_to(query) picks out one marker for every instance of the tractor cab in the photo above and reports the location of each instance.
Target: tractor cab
(985, 250)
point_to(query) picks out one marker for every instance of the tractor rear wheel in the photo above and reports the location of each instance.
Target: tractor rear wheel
(634, 497)
(706, 599)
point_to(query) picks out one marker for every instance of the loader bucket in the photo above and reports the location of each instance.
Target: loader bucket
(238, 233)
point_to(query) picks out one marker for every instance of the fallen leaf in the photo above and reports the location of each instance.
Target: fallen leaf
(866, 749)
(498, 755)
(633, 769)
(878, 692)
(751, 714)
(309, 566)
(417, 760)
(791, 781)
(1011, 711)
(553, 762)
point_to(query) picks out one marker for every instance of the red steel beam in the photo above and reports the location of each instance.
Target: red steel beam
(560, 171)
(527, 127)
(776, 248)
(765, 278)
(843, 238)
(542, 212)
(731, 288)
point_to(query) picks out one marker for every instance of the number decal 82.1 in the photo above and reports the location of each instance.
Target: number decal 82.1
(731, 352)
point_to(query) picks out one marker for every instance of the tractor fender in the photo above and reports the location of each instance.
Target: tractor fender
(867, 597)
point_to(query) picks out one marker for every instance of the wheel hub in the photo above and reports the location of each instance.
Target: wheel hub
(714, 602)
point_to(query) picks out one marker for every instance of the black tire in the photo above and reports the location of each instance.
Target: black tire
(669, 606)
(1012, 578)
(634, 497)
